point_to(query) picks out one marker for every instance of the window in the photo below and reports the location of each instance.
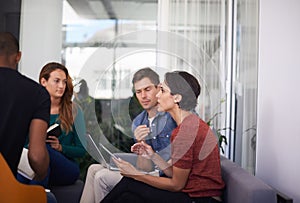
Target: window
(105, 44)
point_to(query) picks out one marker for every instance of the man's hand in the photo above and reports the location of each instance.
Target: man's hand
(141, 132)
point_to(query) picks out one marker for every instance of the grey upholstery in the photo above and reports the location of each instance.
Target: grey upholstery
(68, 193)
(242, 187)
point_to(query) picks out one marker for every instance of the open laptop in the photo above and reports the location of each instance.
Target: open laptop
(101, 151)
(98, 153)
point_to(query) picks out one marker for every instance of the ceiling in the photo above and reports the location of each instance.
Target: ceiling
(116, 9)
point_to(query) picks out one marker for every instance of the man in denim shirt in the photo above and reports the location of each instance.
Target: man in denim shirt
(150, 126)
(160, 131)
(153, 127)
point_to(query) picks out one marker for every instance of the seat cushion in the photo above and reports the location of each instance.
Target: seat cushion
(241, 186)
(68, 193)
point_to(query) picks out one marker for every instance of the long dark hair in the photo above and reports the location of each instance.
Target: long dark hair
(66, 106)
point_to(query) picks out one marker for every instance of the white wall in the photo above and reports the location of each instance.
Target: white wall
(278, 133)
(40, 35)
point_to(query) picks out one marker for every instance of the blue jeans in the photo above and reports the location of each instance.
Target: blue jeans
(62, 171)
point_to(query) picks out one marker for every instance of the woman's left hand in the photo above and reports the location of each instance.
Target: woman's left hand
(126, 169)
(54, 143)
(143, 149)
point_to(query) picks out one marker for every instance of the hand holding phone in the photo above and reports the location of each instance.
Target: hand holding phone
(54, 130)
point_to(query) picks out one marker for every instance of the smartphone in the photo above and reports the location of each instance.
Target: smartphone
(54, 130)
(109, 152)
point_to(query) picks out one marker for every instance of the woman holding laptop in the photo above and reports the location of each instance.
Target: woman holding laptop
(194, 172)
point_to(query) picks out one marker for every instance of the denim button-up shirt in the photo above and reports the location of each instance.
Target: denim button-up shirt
(160, 131)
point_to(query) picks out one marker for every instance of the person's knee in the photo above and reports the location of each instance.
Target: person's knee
(107, 178)
(94, 168)
(101, 176)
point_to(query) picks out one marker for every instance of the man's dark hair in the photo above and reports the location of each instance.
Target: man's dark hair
(8, 44)
(146, 73)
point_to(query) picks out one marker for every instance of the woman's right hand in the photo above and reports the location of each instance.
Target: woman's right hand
(143, 149)
(54, 143)
(126, 169)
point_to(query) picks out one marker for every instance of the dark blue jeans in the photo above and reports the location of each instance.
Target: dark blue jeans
(62, 171)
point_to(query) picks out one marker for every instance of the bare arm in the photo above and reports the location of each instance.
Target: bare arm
(145, 151)
(144, 164)
(166, 167)
(177, 177)
(37, 152)
(175, 184)
(140, 133)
